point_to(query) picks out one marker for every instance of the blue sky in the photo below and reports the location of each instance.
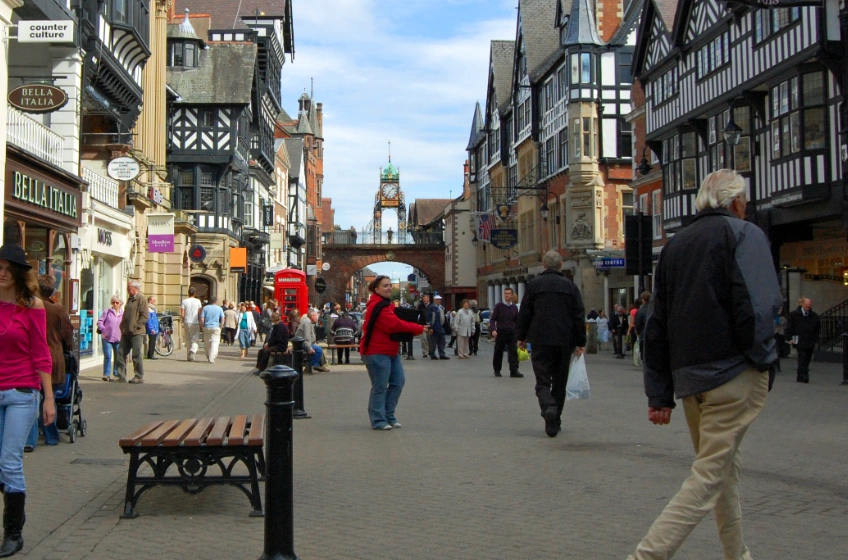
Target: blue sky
(409, 71)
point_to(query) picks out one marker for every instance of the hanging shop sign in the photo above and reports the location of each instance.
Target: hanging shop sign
(154, 194)
(38, 98)
(197, 253)
(320, 285)
(46, 31)
(238, 259)
(123, 168)
(38, 193)
(160, 233)
(268, 215)
(504, 238)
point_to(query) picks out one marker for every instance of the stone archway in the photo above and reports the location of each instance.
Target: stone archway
(346, 260)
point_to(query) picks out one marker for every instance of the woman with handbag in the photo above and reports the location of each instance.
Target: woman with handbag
(464, 325)
(109, 329)
(25, 368)
(380, 352)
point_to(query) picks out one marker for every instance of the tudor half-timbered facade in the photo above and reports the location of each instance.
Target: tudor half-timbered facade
(774, 74)
(554, 162)
(222, 145)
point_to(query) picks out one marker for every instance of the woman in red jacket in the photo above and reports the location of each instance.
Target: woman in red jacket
(385, 368)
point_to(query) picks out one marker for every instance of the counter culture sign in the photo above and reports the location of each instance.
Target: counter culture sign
(160, 233)
(46, 31)
(38, 98)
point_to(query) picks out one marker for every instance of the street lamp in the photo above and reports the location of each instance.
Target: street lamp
(543, 211)
(644, 167)
(732, 131)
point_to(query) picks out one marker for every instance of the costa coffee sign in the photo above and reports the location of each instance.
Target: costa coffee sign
(37, 98)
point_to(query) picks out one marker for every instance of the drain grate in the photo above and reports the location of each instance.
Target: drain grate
(103, 462)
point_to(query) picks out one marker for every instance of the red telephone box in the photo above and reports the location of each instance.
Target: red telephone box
(290, 290)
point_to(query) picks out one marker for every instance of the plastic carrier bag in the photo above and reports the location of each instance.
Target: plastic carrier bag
(523, 355)
(578, 380)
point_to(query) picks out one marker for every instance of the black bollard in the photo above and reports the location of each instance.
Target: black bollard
(844, 358)
(298, 353)
(279, 480)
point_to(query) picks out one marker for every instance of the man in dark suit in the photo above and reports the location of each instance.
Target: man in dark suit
(803, 330)
(617, 326)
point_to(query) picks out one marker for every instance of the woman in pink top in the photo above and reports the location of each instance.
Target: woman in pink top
(25, 367)
(109, 329)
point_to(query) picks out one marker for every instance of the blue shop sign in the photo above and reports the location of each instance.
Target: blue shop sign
(609, 263)
(504, 238)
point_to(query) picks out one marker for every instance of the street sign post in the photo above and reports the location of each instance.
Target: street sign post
(609, 263)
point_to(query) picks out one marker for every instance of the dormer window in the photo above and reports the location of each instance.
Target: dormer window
(183, 54)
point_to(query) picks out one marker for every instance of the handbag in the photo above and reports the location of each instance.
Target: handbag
(578, 380)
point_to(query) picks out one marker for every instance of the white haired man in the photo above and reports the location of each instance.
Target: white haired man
(710, 341)
(133, 333)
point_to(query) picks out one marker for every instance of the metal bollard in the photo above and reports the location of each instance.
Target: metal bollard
(591, 337)
(844, 358)
(298, 353)
(279, 479)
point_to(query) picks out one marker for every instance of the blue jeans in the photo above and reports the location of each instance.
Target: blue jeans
(110, 349)
(387, 380)
(315, 360)
(51, 432)
(244, 339)
(17, 416)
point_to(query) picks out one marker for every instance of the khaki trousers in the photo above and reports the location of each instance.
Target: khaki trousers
(718, 420)
(192, 336)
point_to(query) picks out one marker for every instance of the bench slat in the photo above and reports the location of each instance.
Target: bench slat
(256, 437)
(179, 433)
(216, 436)
(132, 440)
(199, 432)
(157, 435)
(237, 430)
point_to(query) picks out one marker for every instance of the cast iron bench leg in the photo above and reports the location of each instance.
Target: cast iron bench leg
(129, 500)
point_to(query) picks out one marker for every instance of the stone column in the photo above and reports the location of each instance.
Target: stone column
(67, 74)
(6, 7)
(490, 293)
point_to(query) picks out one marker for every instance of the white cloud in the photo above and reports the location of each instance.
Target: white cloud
(409, 72)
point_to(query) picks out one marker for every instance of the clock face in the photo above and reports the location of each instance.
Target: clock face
(389, 190)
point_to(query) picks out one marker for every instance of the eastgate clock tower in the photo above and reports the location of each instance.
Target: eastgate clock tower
(389, 195)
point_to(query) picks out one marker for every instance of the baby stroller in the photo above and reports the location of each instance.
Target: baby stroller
(68, 399)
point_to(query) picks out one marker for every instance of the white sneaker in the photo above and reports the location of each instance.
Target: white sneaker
(387, 427)
(396, 425)
(211, 361)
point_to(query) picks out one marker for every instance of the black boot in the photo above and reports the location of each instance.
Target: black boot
(13, 523)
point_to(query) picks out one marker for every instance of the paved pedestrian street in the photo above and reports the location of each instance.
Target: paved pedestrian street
(470, 475)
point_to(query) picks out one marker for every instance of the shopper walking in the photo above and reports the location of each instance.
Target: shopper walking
(211, 321)
(474, 341)
(502, 325)
(803, 330)
(25, 369)
(109, 329)
(603, 330)
(246, 329)
(618, 326)
(384, 365)
(424, 319)
(152, 327)
(190, 315)
(710, 341)
(464, 323)
(133, 333)
(552, 319)
(230, 324)
(436, 323)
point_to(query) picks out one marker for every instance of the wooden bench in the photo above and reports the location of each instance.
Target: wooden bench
(332, 347)
(192, 447)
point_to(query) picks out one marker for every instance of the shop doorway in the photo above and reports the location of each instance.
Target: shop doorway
(203, 288)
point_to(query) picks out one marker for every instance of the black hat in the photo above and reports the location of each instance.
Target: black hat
(14, 254)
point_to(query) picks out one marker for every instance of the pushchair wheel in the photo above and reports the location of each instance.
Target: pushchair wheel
(72, 432)
(83, 428)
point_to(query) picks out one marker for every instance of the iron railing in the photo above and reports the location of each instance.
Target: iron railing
(832, 327)
(103, 189)
(347, 237)
(28, 134)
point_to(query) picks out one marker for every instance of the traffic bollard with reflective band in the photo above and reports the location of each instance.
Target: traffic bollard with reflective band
(279, 479)
(298, 356)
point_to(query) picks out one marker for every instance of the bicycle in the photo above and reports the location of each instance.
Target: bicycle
(164, 342)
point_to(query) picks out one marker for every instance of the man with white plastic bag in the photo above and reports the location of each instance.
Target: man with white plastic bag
(552, 319)
(578, 380)
(710, 341)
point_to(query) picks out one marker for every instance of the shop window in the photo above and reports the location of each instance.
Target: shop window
(12, 232)
(57, 263)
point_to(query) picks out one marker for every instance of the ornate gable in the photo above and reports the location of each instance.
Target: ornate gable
(703, 14)
(659, 44)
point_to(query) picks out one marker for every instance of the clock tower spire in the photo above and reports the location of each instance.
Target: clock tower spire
(389, 195)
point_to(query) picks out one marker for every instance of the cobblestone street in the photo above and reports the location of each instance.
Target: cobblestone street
(470, 475)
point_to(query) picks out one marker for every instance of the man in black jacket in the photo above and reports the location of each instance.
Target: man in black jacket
(278, 341)
(710, 341)
(552, 319)
(618, 325)
(806, 326)
(502, 326)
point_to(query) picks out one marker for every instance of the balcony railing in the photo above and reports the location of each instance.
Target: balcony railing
(28, 134)
(103, 189)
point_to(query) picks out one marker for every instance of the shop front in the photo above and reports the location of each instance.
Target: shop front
(105, 264)
(42, 214)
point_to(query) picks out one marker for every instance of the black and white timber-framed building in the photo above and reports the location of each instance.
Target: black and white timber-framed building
(222, 154)
(777, 73)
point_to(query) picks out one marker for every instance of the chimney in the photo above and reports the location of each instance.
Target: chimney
(319, 109)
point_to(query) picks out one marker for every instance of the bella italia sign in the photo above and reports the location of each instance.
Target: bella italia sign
(37, 192)
(38, 98)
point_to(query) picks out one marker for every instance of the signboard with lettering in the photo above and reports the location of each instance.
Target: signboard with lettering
(38, 98)
(38, 195)
(104, 237)
(268, 215)
(160, 233)
(609, 263)
(46, 31)
(123, 168)
(503, 238)
(320, 285)
(196, 253)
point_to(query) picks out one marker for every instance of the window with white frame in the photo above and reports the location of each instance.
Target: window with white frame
(798, 115)
(550, 155)
(656, 213)
(248, 214)
(769, 22)
(713, 56)
(563, 147)
(665, 87)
